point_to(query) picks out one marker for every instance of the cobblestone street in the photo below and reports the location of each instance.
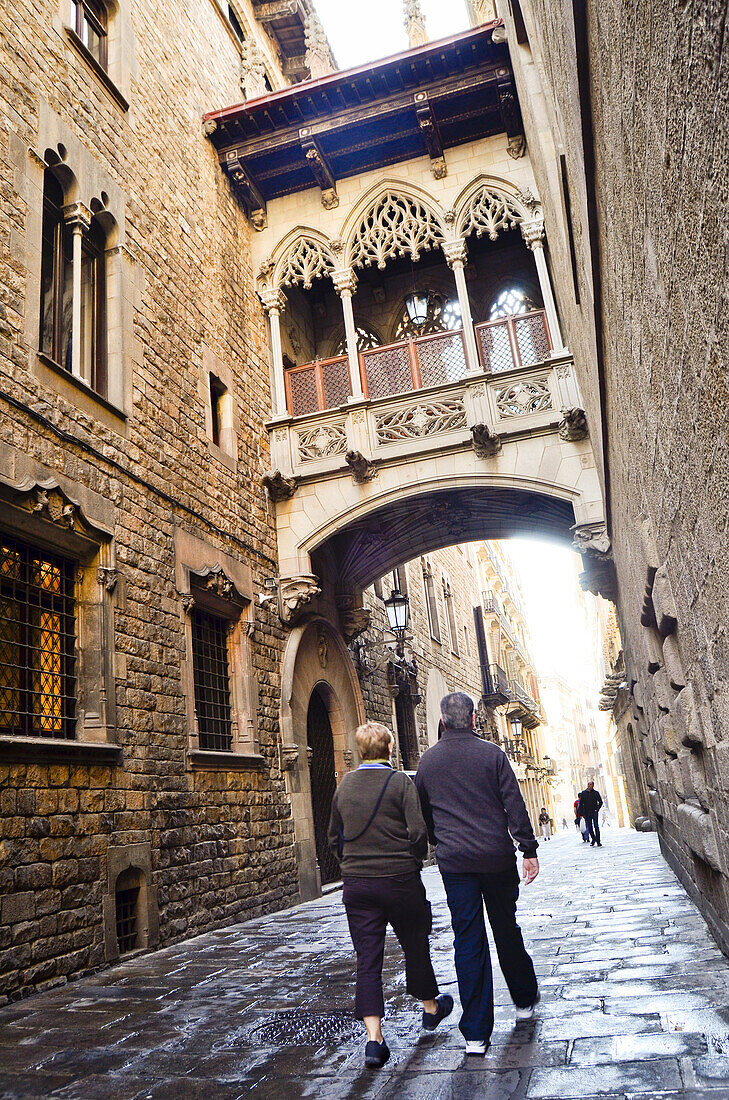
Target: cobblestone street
(635, 1002)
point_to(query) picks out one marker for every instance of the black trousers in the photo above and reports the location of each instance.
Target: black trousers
(593, 826)
(373, 903)
(467, 894)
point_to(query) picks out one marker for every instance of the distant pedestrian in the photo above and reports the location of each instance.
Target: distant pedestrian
(473, 807)
(379, 835)
(590, 802)
(564, 823)
(545, 823)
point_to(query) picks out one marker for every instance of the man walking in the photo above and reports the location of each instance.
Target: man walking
(590, 802)
(473, 807)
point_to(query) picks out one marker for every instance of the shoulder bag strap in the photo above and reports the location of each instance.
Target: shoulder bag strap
(350, 839)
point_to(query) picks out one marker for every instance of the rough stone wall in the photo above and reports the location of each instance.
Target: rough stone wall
(221, 842)
(658, 90)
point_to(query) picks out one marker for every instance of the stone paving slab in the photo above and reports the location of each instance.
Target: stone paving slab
(635, 1005)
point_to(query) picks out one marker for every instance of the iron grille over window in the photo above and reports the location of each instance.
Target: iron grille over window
(37, 675)
(126, 918)
(212, 681)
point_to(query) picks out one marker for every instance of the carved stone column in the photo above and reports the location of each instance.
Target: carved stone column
(253, 70)
(456, 253)
(274, 301)
(79, 218)
(415, 24)
(318, 55)
(345, 284)
(533, 233)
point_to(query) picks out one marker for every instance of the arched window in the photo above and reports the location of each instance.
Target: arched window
(89, 21)
(428, 312)
(510, 303)
(56, 326)
(367, 338)
(56, 276)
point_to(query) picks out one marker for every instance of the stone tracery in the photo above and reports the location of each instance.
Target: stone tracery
(394, 225)
(305, 260)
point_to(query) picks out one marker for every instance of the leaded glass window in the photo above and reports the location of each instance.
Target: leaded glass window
(37, 642)
(510, 303)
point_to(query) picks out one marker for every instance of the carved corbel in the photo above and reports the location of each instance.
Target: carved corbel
(107, 578)
(573, 425)
(188, 602)
(592, 539)
(362, 469)
(516, 146)
(278, 485)
(353, 620)
(295, 595)
(289, 757)
(320, 169)
(485, 443)
(431, 135)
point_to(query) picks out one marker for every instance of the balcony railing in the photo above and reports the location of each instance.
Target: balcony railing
(499, 689)
(512, 342)
(410, 365)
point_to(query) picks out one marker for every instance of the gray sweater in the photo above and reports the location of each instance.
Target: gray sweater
(472, 805)
(397, 840)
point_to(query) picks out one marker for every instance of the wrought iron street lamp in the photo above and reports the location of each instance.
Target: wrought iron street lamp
(515, 723)
(397, 607)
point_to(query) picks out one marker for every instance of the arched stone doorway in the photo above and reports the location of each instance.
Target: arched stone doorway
(323, 777)
(320, 695)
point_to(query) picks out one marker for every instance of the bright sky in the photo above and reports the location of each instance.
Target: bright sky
(365, 30)
(554, 610)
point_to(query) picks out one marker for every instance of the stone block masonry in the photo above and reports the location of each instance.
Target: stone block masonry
(218, 841)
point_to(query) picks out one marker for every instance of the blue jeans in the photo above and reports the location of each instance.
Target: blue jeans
(467, 893)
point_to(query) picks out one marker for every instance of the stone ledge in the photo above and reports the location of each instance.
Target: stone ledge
(51, 750)
(224, 761)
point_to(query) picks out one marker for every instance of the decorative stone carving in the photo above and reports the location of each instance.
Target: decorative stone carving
(415, 24)
(439, 168)
(527, 198)
(524, 398)
(259, 219)
(217, 582)
(591, 538)
(486, 443)
(309, 755)
(348, 759)
(362, 469)
(318, 55)
(418, 421)
(188, 602)
(295, 594)
(533, 232)
(353, 621)
(397, 225)
(209, 127)
(321, 442)
(107, 578)
(516, 146)
(289, 757)
(455, 252)
(307, 259)
(489, 212)
(272, 298)
(253, 70)
(499, 36)
(322, 648)
(329, 198)
(53, 505)
(573, 425)
(344, 280)
(279, 486)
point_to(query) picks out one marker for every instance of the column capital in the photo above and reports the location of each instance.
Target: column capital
(455, 252)
(75, 213)
(533, 232)
(344, 280)
(272, 299)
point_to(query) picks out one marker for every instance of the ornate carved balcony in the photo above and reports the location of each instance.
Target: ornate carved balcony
(511, 343)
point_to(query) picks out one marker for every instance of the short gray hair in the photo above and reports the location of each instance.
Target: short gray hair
(456, 709)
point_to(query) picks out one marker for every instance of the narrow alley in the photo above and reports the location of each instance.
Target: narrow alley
(635, 1003)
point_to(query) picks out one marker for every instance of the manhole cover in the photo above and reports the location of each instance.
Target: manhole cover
(297, 1026)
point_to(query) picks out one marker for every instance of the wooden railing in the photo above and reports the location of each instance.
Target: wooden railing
(409, 365)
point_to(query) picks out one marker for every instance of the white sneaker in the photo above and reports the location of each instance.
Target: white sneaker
(475, 1046)
(525, 1013)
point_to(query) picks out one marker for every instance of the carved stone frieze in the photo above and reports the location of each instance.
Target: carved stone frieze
(278, 485)
(322, 442)
(362, 469)
(573, 425)
(52, 505)
(486, 443)
(295, 595)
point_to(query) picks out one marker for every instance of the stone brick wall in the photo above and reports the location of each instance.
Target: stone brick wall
(220, 841)
(657, 88)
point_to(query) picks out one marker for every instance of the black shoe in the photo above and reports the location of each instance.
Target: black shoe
(592, 843)
(599, 844)
(376, 1054)
(445, 1007)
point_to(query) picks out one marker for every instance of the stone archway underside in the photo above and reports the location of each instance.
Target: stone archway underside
(404, 529)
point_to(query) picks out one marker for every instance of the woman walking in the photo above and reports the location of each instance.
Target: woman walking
(546, 823)
(379, 835)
